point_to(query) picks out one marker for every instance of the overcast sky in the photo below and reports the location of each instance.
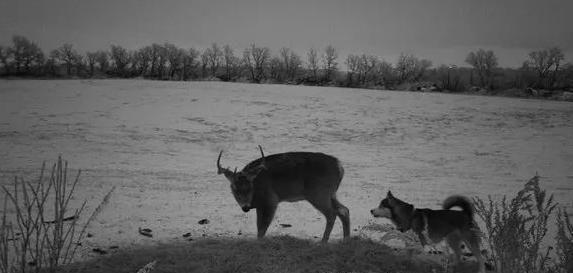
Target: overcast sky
(443, 31)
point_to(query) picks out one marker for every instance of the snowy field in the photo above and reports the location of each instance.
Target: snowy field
(158, 143)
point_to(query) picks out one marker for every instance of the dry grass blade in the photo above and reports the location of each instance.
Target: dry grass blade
(564, 241)
(100, 207)
(147, 268)
(4, 233)
(94, 215)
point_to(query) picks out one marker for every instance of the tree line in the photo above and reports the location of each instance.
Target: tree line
(544, 69)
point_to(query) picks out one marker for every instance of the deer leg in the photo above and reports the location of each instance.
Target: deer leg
(344, 215)
(265, 214)
(325, 207)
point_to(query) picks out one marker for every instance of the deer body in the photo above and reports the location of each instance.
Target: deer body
(290, 177)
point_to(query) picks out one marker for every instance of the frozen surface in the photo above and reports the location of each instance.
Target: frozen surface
(158, 143)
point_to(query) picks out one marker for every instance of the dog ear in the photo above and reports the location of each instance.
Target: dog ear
(389, 194)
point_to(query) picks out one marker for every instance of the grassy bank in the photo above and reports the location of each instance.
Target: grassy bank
(274, 254)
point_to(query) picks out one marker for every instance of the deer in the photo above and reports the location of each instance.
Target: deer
(292, 176)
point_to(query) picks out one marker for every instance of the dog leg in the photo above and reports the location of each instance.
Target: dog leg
(428, 248)
(454, 242)
(423, 241)
(473, 243)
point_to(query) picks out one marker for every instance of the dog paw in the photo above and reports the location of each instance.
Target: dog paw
(432, 250)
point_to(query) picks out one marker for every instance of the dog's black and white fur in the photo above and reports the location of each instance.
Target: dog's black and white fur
(434, 226)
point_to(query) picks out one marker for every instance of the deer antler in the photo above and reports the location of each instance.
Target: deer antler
(262, 154)
(220, 169)
(263, 163)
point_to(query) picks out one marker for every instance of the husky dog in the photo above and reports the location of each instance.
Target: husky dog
(434, 226)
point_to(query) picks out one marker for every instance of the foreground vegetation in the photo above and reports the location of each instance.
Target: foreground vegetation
(543, 74)
(515, 230)
(45, 232)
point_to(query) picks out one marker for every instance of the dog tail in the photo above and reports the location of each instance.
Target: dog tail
(459, 201)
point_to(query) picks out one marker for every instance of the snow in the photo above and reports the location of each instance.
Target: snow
(158, 143)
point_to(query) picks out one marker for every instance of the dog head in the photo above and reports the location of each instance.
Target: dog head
(398, 211)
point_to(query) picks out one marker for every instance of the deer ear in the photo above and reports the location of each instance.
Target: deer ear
(230, 176)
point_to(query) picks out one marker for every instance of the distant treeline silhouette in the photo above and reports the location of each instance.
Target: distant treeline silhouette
(544, 73)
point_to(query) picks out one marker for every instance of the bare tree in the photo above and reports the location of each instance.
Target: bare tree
(449, 78)
(174, 59)
(276, 69)
(50, 67)
(294, 66)
(329, 62)
(261, 56)
(157, 64)
(135, 63)
(79, 65)
(214, 56)
(385, 73)
(312, 57)
(484, 63)
(67, 55)
(204, 63)
(410, 68)
(284, 60)
(565, 77)
(290, 64)
(5, 58)
(162, 59)
(190, 63)
(121, 60)
(27, 55)
(103, 60)
(256, 59)
(231, 63)
(91, 58)
(142, 60)
(367, 68)
(422, 66)
(353, 65)
(546, 64)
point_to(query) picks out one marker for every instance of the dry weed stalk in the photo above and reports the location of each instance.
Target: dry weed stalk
(515, 229)
(32, 242)
(564, 242)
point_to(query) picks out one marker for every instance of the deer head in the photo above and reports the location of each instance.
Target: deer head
(242, 182)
